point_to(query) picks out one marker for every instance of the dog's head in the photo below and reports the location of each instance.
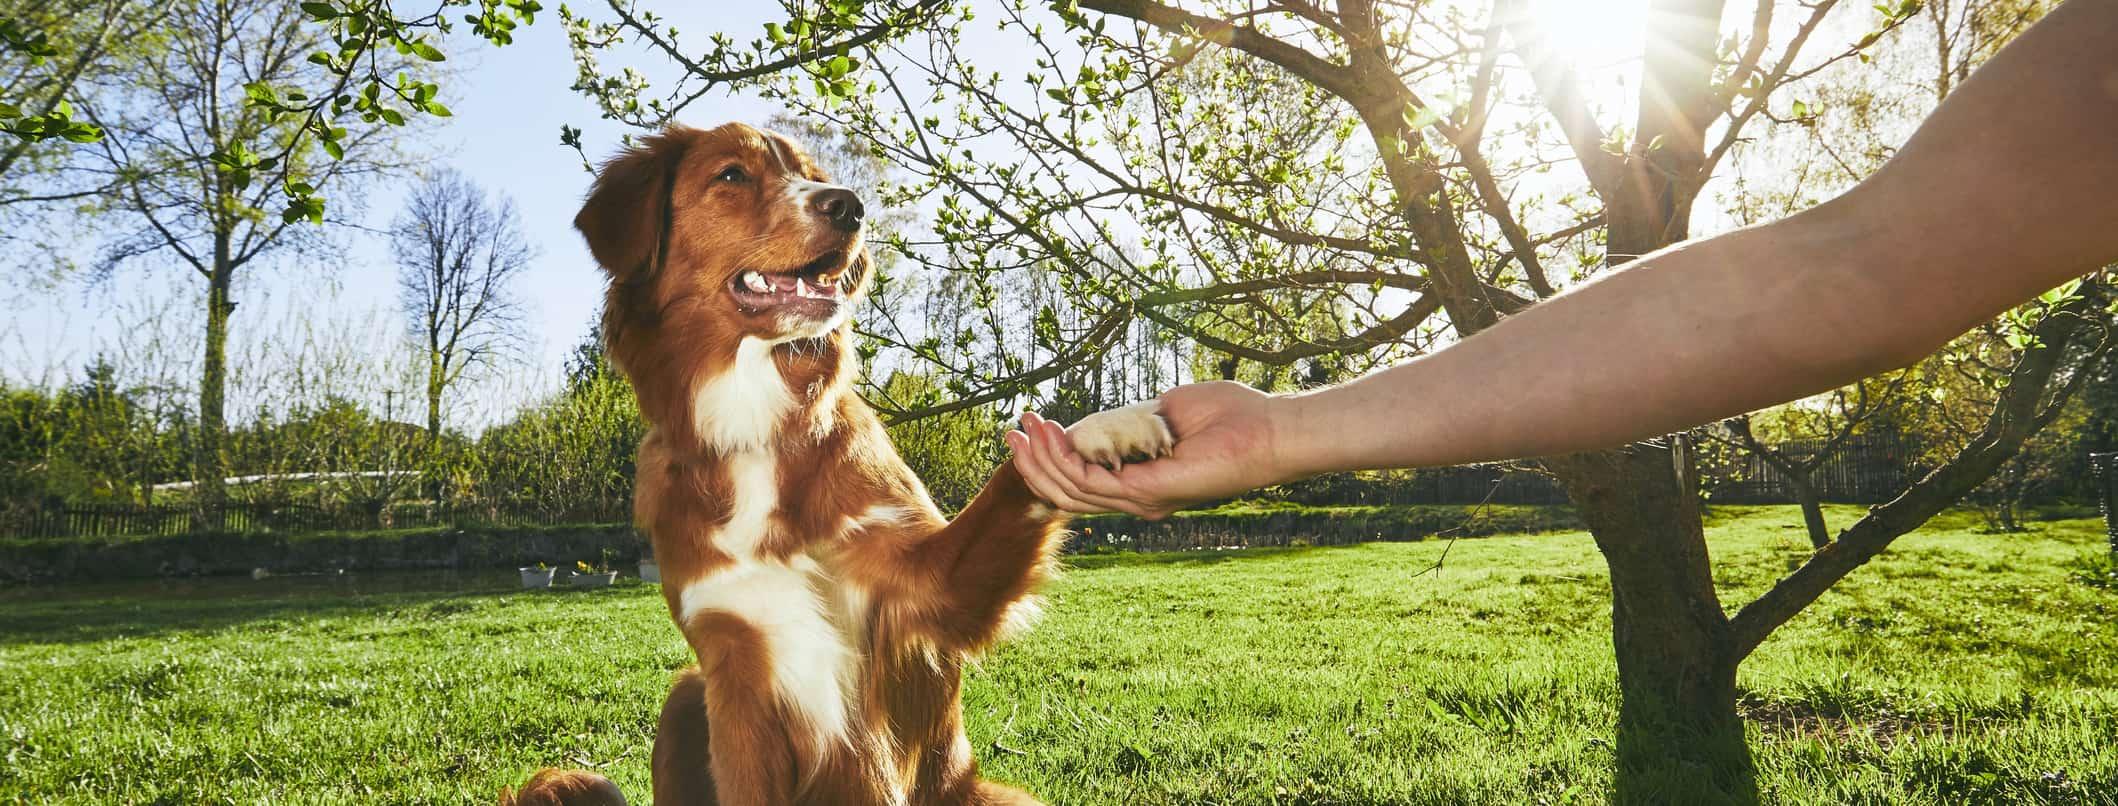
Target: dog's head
(734, 231)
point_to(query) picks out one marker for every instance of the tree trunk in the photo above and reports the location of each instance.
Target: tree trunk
(210, 463)
(1679, 738)
(1812, 509)
(435, 381)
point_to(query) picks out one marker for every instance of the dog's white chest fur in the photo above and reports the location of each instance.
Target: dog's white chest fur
(806, 619)
(739, 409)
(813, 665)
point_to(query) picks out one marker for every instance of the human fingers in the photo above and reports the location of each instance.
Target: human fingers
(1035, 472)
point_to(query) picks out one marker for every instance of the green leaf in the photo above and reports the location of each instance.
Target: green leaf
(437, 110)
(428, 52)
(301, 207)
(2062, 293)
(320, 11)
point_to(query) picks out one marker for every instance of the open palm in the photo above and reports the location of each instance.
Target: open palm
(1225, 445)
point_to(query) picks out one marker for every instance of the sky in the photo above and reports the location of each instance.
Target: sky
(509, 104)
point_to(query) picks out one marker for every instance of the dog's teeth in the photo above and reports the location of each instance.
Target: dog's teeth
(756, 282)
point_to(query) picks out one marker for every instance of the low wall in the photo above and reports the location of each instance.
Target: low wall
(1312, 526)
(203, 555)
(195, 555)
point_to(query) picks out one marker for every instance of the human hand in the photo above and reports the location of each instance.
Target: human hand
(1228, 439)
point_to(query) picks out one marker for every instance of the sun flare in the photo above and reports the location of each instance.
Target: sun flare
(1593, 34)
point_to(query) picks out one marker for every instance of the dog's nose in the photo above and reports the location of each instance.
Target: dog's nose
(840, 207)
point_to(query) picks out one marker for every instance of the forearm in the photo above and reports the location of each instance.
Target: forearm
(1707, 330)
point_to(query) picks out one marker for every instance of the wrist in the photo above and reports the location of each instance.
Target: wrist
(1297, 450)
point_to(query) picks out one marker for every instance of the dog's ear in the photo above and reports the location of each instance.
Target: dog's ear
(628, 207)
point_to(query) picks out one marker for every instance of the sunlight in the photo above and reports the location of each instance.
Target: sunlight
(1594, 34)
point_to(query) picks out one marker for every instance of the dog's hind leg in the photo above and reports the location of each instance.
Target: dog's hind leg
(993, 793)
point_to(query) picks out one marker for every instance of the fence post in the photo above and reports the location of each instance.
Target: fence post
(2105, 466)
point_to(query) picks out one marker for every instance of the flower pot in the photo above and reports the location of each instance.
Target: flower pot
(598, 580)
(537, 577)
(650, 572)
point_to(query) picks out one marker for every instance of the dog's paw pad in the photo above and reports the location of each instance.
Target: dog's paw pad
(1128, 433)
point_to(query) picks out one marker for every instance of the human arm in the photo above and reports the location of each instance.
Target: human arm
(2008, 189)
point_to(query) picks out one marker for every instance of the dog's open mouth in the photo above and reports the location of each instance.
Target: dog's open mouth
(817, 287)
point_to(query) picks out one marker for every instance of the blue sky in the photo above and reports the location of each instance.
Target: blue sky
(508, 105)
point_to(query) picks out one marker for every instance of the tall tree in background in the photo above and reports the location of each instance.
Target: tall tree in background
(1235, 171)
(201, 173)
(459, 253)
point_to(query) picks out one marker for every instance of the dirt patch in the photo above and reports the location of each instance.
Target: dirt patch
(1794, 719)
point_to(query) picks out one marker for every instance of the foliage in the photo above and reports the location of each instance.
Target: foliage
(95, 440)
(43, 53)
(1968, 380)
(573, 452)
(1958, 669)
(952, 453)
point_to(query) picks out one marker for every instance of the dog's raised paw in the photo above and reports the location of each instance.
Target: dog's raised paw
(1111, 438)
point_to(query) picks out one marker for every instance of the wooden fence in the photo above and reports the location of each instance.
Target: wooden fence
(1862, 471)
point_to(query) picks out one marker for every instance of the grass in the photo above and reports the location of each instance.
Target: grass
(1960, 667)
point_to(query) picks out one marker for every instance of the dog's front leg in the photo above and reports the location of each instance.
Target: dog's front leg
(1000, 547)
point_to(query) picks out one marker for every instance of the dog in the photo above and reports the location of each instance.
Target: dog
(830, 605)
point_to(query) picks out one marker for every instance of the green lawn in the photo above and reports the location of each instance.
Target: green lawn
(1962, 667)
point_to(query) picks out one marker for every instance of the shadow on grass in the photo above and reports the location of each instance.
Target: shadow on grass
(1133, 559)
(1662, 761)
(103, 611)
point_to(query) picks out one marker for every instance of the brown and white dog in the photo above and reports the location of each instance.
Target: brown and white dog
(830, 605)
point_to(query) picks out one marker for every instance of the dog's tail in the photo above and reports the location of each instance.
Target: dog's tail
(550, 787)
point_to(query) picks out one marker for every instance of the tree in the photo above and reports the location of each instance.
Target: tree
(197, 168)
(458, 254)
(1227, 173)
(1969, 379)
(954, 453)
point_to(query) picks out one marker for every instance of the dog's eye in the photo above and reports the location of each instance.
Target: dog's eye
(732, 173)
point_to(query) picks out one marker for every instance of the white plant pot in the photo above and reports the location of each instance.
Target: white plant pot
(650, 572)
(601, 580)
(537, 577)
